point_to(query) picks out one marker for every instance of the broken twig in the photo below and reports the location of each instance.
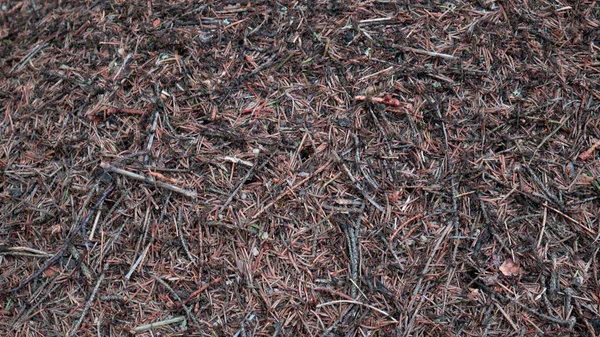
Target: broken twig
(149, 180)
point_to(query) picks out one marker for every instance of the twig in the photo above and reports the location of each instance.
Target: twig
(88, 303)
(149, 180)
(548, 137)
(151, 139)
(423, 274)
(78, 257)
(387, 100)
(94, 227)
(154, 123)
(570, 323)
(242, 329)
(351, 237)
(189, 312)
(337, 321)
(285, 60)
(138, 261)
(111, 242)
(551, 196)
(319, 170)
(508, 319)
(180, 232)
(450, 168)
(173, 320)
(84, 207)
(96, 208)
(237, 161)
(425, 52)
(38, 272)
(25, 315)
(357, 184)
(19, 66)
(262, 67)
(23, 251)
(127, 58)
(62, 250)
(246, 177)
(111, 211)
(586, 155)
(358, 303)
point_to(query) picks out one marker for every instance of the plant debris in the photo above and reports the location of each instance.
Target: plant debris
(307, 168)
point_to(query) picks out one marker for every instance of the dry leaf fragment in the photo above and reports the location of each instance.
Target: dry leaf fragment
(387, 100)
(490, 280)
(162, 177)
(50, 272)
(588, 153)
(55, 229)
(473, 294)
(510, 268)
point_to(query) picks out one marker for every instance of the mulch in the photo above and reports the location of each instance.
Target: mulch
(299, 168)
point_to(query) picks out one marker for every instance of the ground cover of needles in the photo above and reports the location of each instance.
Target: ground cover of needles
(299, 168)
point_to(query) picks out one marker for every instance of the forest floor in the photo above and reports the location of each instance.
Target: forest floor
(299, 168)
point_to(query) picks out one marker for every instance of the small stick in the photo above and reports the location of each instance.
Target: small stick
(548, 137)
(246, 177)
(88, 303)
(201, 289)
(46, 265)
(111, 242)
(149, 180)
(180, 232)
(84, 207)
(94, 226)
(425, 52)
(89, 216)
(450, 167)
(174, 294)
(64, 247)
(159, 324)
(291, 189)
(237, 161)
(416, 217)
(361, 304)
(351, 232)
(287, 58)
(242, 329)
(549, 194)
(151, 139)
(84, 267)
(138, 261)
(387, 100)
(23, 251)
(586, 155)
(162, 176)
(563, 322)
(111, 211)
(357, 184)
(514, 326)
(26, 59)
(129, 56)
